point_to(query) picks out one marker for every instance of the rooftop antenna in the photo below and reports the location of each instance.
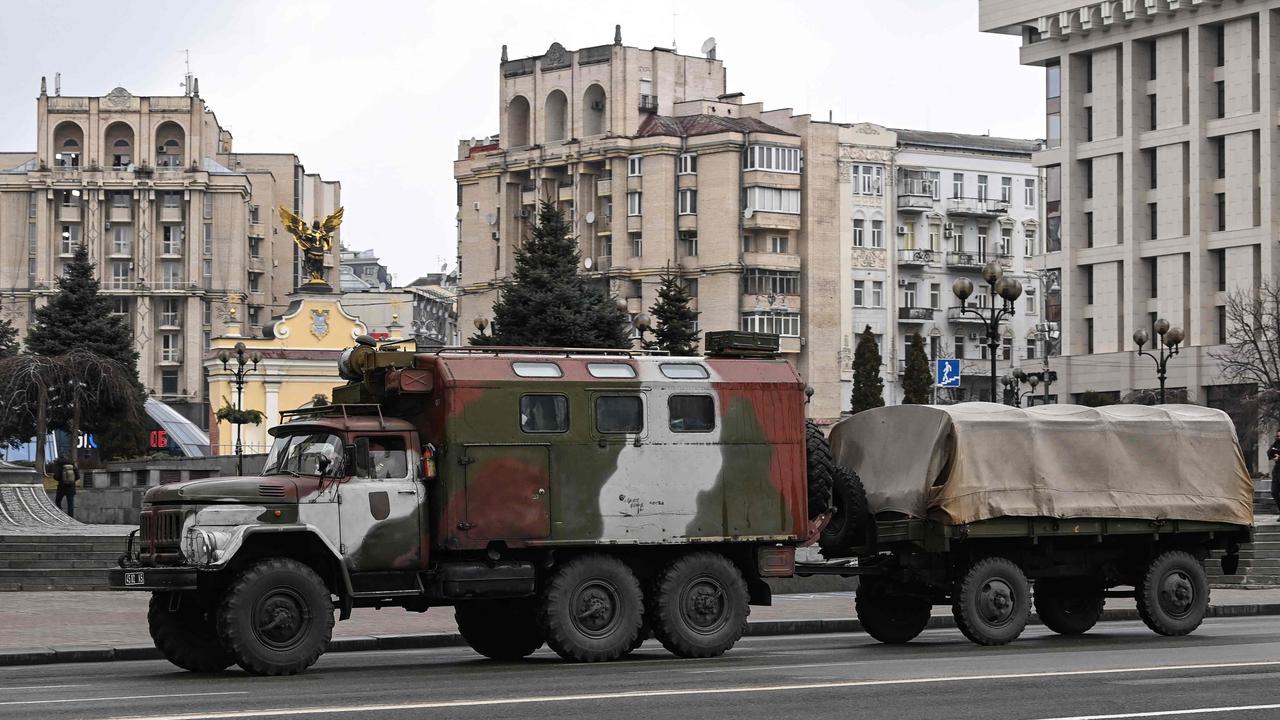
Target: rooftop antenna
(673, 31)
(709, 48)
(187, 83)
(57, 84)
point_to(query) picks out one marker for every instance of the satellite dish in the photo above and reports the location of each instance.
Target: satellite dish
(746, 214)
(591, 217)
(586, 263)
(490, 218)
(709, 47)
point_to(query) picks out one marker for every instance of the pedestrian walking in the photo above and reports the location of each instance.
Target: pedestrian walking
(66, 477)
(1273, 454)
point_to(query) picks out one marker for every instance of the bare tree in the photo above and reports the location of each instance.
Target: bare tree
(1252, 352)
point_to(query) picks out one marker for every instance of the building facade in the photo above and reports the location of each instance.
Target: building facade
(1161, 170)
(182, 228)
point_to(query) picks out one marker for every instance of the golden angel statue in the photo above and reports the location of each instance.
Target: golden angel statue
(315, 242)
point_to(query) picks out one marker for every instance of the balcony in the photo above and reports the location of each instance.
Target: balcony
(648, 103)
(170, 213)
(954, 315)
(603, 263)
(916, 314)
(976, 260)
(604, 186)
(760, 220)
(915, 203)
(68, 213)
(916, 257)
(120, 214)
(977, 207)
(773, 261)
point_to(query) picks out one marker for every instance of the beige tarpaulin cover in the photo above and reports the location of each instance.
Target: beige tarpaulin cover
(976, 461)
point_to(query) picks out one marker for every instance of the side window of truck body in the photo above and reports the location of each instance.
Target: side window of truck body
(619, 414)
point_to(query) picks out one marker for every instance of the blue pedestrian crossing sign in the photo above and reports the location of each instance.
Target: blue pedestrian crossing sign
(948, 373)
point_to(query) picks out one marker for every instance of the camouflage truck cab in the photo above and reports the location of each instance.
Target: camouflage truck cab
(580, 498)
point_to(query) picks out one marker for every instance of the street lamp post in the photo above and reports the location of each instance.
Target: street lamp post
(1008, 290)
(1169, 338)
(242, 361)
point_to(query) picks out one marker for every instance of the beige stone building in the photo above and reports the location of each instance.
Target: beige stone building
(658, 166)
(182, 228)
(1161, 167)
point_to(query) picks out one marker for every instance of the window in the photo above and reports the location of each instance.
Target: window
(1153, 272)
(1053, 81)
(684, 371)
(635, 166)
(70, 198)
(868, 180)
(70, 239)
(1220, 150)
(1031, 303)
(767, 199)
(619, 414)
(536, 369)
(606, 251)
(779, 244)
(688, 164)
(1153, 221)
(691, 413)
(1006, 350)
(207, 312)
(1029, 241)
(748, 245)
(1088, 229)
(121, 240)
(1031, 348)
(877, 293)
(982, 187)
(171, 200)
(170, 308)
(877, 233)
(637, 244)
(544, 413)
(1053, 130)
(935, 295)
(33, 205)
(255, 248)
(1222, 324)
(1006, 241)
(206, 268)
(909, 237)
(935, 232)
(170, 347)
(1006, 189)
(33, 242)
(388, 458)
(255, 282)
(689, 243)
(1151, 111)
(120, 308)
(120, 200)
(770, 282)
(786, 324)
(255, 214)
(1220, 88)
(1088, 124)
(170, 275)
(1220, 200)
(171, 240)
(208, 238)
(611, 370)
(1053, 237)
(633, 203)
(208, 205)
(982, 241)
(1088, 335)
(688, 202)
(957, 185)
(859, 233)
(859, 293)
(959, 341)
(1029, 192)
(909, 296)
(1087, 271)
(772, 157)
(120, 275)
(169, 381)
(1220, 261)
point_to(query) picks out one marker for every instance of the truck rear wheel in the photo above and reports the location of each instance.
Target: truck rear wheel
(700, 606)
(276, 618)
(592, 609)
(1174, 594)
(993, 603)
(891, 617)
(847, 528)
(820, 469)
(1068, 607)
(500, 629)
(185, 632)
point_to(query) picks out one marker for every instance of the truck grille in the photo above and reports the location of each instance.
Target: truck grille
(161, 532)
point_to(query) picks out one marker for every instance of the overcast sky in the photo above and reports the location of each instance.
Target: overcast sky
(377, 94)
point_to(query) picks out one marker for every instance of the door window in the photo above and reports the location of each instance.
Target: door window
(388, 458)
(619, 414)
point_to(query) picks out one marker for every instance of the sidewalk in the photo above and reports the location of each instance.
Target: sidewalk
(43, 627)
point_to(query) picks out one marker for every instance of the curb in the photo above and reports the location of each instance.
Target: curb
(364, 643)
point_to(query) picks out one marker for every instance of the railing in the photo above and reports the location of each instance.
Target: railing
(911, 201)
(918, 256)
(648, 103)
(976, 260)
(916, 313)
(956, 315)
(976, 206)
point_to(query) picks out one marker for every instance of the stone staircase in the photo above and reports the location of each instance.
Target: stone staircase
(1260, 560)
(58, 562)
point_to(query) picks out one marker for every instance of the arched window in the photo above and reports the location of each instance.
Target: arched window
(170, 140)
(517, 122)
(595, 118)
(556, 116)
(68, 145)
(119, 141)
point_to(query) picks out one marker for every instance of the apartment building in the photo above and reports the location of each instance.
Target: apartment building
(1161, 172)
(660, 169)
(182, 228)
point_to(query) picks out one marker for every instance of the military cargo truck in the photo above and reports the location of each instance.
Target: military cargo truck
(976, 505)
(582, 499)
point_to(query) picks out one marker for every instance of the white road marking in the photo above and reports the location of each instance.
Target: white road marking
(41, 687)
(588, 697)
(119, 697)
(1170, 713)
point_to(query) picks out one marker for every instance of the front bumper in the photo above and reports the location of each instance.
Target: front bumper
(152, 578)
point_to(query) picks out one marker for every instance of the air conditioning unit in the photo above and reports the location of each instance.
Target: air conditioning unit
(161, 151)
(903, 282)
(524, 214)
(973, 335)
(902, 229)
(948, 226)
(597, 104)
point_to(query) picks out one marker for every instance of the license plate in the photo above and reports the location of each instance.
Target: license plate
(134, 578)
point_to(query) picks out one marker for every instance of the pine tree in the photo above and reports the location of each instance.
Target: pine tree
(547, 303)
(8, 339)
(674, 320)
(868, 387)
(917, 381)
(77, 317)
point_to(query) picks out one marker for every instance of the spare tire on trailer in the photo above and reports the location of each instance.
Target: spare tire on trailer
(849, 527)
(820, 469)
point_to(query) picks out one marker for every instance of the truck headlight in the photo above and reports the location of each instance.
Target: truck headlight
(199, 546)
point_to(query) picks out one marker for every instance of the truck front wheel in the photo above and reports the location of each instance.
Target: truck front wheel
(993, 602)
(1068, 607)
(891, 617)
(500, 629)
(276, 618)
(184, 631)
(592, 609)
(1174, 594)
(700, 606)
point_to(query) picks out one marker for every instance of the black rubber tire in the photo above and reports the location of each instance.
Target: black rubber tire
(645, 633)
(890, 616)
(1174, 594)
(1068, 607)
(500, 629)
(188, 636)
(700, 606)
(849, 522)
(275, 592)
(819, 469)
(993, 602)
(592, 609)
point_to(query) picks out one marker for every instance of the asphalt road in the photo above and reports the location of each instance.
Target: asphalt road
(1230, 668)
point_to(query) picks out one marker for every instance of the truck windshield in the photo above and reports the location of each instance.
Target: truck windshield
(304, 454)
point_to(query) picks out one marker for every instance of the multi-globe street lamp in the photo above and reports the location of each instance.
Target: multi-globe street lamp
(1170, 337)
(242, 360)
(1008, 289)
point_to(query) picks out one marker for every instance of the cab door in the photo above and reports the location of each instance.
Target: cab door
(378, 508)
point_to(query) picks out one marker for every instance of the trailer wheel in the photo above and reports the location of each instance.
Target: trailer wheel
(500, 629)
(993, 603)
(1174, 594)
(1068, 607)
(891, 617)
(187, 636)
(700, 606)
(276, 618)
(820, 469)
(847, 528)
(592, 609)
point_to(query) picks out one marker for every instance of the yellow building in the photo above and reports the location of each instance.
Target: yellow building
(297, 360)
